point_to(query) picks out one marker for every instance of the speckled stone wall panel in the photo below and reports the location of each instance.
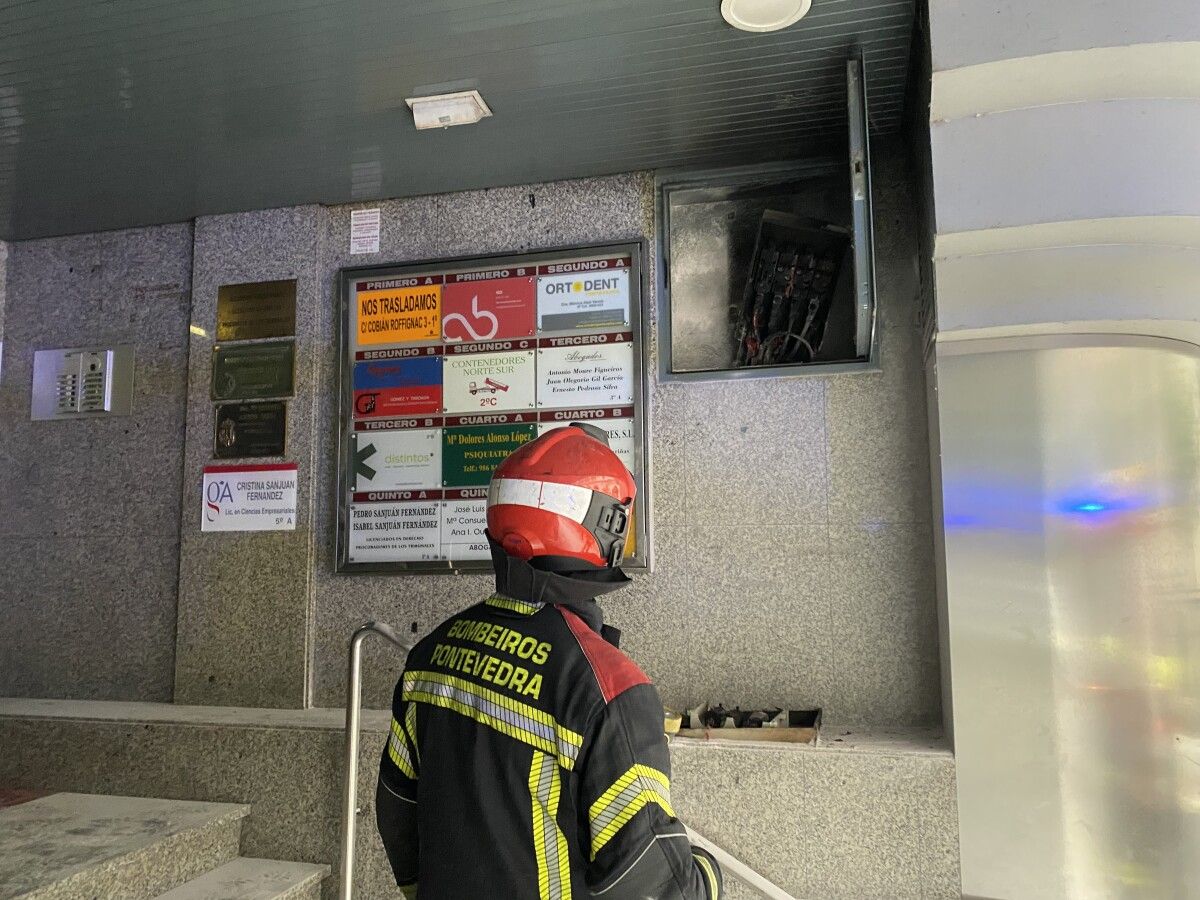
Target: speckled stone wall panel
(656, 629)
(877, 819)
(89, 510)
(883, 600)
(880, 586)
(408, 233)
(756, 453)
(245, 598)
(823, 824)
(753, 481)
(503, 220)
(3, 279)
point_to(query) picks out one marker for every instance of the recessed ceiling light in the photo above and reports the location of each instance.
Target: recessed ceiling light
(763, 15)
(444, 110)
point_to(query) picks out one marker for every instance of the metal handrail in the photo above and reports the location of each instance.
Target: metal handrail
(353, 718)
(728, 862)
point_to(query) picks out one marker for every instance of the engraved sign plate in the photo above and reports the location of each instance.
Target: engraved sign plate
(254, 497)
(398, 387)
(621, 436)
(391, 460)
(253, 371)
(399, 310)
(250, 429)
(464, 525)
(263, 309)
(470, 455)
(491, 308)
(396, 532)
(595, 375)
(587, 294)
(482, 382)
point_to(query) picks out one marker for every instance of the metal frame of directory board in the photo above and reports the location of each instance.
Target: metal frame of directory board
(638, 288)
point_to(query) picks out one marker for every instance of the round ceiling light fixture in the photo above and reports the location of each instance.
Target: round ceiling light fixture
(763, 15)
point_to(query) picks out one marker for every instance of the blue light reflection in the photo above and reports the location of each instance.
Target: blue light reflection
(978, 505)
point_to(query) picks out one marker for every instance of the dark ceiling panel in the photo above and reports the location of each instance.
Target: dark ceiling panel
(130, 112)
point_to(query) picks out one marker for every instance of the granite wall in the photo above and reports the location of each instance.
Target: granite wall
(791, 517)
(89, 510)
(866, 816)
(244, 598)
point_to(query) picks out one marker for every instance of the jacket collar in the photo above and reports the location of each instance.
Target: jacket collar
(545, 580)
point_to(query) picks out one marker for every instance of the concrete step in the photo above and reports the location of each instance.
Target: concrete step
(254, 879)
(90, 846)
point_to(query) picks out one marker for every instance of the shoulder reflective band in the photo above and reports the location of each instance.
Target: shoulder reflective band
(524, 607)
(503, 714)
(410, 725)
(549, 843)
(398, 751)
(564, 499)
(620, 803)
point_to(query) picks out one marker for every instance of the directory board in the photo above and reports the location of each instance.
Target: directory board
(449, 366)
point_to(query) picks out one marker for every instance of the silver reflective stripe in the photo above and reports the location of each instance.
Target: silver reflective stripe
(639, 786)
(509, 717)
(549, 843)
(565, 499)
(623, 800)
(398, 751)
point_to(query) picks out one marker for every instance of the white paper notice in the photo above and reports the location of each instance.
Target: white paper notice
(594, 375)
(364, 230)
(249, 498)
(464, 523)
(391, 460)
(488, 381)
(395, 532)
(620, 437)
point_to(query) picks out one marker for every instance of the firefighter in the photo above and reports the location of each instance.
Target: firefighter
(526, 757)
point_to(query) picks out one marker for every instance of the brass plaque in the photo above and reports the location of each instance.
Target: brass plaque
(263, 309)
(250, 429)
(253, 371)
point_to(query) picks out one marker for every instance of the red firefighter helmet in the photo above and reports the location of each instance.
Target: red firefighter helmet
(566, 494)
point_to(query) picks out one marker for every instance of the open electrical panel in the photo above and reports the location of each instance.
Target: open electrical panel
(769, 270)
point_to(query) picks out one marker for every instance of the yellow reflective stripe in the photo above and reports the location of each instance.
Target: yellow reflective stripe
(410, 725)
(398, 751)
(709, 875)
(524, 607)
(549, 843)
(503, 714)
(639, 786)
(634, 772)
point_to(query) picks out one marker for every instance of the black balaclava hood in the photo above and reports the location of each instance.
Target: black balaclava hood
(561, 580)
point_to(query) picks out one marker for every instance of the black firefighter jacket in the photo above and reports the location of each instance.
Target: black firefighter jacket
(526, 760)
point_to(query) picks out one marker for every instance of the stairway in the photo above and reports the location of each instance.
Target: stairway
(93, 847)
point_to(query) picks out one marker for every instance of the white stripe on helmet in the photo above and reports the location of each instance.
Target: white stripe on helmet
(565, 499)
